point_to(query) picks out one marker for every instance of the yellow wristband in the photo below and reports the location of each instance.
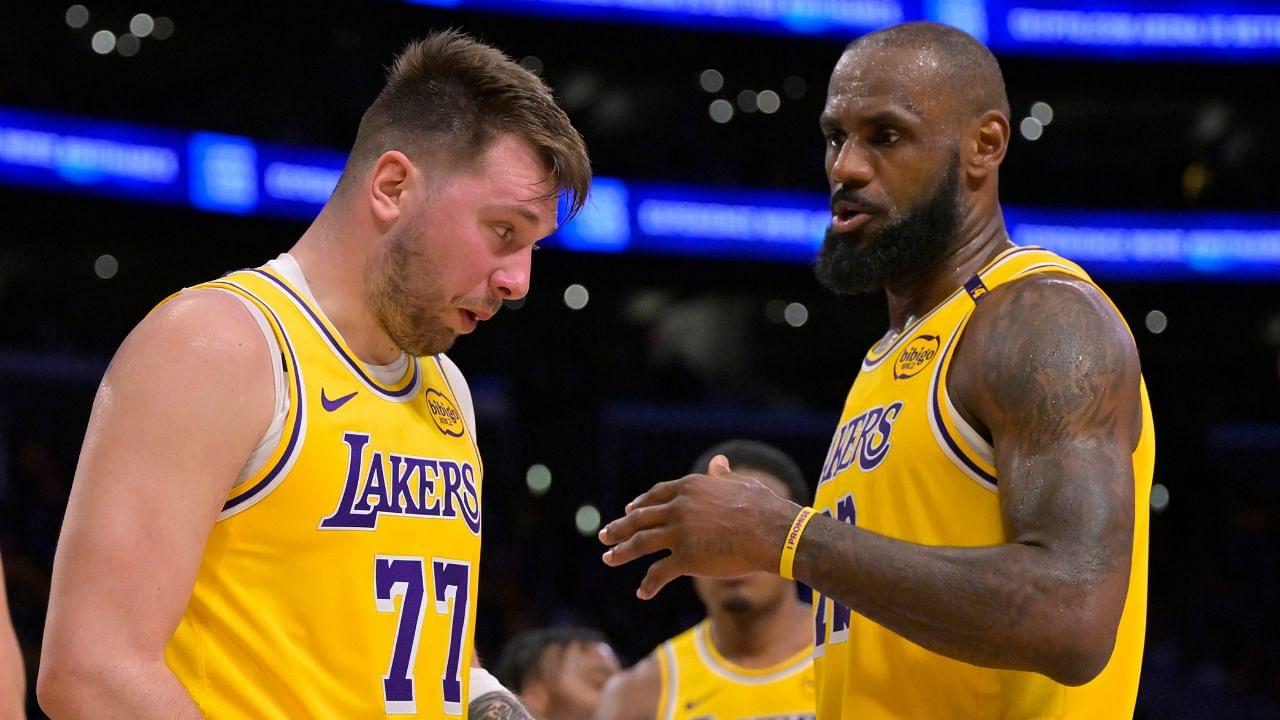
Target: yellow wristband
(793, 541)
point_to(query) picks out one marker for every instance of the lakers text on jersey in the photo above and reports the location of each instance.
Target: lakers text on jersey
(904, 464)
(340, 580)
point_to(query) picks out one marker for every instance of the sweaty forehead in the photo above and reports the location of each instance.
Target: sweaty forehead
(873, 79)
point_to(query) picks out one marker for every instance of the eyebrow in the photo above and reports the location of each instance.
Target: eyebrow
(525, 212)
(896, 113)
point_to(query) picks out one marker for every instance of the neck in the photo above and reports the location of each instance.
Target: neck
(981, 237)
(763, 639)
(334, 265)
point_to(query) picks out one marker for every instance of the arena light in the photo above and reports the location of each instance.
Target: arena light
(128, 45)
(1031, 128)
(164, 28)
(576, 296)
(103, 42)
(1156, 322)
(711, 80)
(232, 174)
(532, 63)
(538, 479)
(768, 102)
(796, 314)
(721, 111)
(142, 25)
(1121, 29)
(77, 16)
(106, 266)
(1042, 112)
(587, 520)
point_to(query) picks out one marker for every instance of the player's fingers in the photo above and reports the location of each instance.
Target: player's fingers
(656, 495)
(624, 527)
(660, 573)
(719, 466)
(639, 545)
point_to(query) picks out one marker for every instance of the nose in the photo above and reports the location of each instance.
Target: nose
(511, 280)
(851, 166)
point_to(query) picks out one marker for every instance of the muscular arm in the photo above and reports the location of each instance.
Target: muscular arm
(1051, 373)
(632, 694)
(182, 405)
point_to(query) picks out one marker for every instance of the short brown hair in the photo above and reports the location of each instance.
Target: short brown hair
(451, 92)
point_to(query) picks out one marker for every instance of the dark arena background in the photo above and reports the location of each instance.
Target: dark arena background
(147, 146)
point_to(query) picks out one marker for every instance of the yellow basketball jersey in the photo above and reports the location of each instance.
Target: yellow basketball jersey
(340, 580)
(904, 464)
(698, 683)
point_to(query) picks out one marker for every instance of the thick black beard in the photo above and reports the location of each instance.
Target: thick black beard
(901, 251)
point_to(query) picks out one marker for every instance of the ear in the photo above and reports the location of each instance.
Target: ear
(987, 140)
(393, 173)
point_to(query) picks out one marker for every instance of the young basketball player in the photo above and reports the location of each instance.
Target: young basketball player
(276, 512)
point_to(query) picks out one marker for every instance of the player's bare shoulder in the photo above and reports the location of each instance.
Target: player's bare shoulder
(201, 347)
(1048, 346)
(633, 693)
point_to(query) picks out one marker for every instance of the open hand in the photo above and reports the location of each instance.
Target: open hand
(717, 525)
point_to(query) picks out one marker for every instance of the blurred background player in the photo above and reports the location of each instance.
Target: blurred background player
(558, 672)
(752, 655)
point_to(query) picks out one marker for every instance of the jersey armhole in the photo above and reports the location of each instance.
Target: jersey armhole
(249, 490)
(958, 440)
(666, 657)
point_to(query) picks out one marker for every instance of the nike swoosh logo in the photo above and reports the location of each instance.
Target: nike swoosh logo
(331, 405)
(694, 703)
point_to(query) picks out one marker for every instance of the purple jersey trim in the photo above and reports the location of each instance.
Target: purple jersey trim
(939, 386)
(352, 364)
(869, 363)
(294, 432)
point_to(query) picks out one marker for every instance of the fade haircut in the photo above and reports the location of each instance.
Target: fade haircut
(747, 455)
(527, 655)
(449, 96)
(967, 66)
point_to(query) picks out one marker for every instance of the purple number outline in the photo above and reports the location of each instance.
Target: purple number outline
(398, 575)
(453, 582)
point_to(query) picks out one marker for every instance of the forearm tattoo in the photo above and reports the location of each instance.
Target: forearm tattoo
(498, 706)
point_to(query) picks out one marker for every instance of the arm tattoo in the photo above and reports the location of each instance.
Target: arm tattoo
(498, 705)
(1046, 368)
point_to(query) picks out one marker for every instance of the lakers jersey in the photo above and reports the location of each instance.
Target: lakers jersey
(698, 683)
(903, 463)
(339, 581)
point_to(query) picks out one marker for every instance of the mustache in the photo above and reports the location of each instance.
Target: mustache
(853, 197)
(485, 304)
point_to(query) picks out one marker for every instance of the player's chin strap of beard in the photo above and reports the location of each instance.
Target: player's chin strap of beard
(482, 683)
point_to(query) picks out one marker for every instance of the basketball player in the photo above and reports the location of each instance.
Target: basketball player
(558, 672)
(13, 690)
(980, 545)
(276, 512)
(752, 656)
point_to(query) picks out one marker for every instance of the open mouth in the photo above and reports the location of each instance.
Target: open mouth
(848, 219)
(469, 320)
